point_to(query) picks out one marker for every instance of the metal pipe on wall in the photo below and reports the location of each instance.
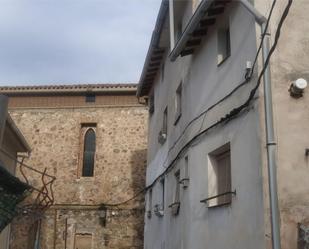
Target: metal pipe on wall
(270, 134)
(271, 147)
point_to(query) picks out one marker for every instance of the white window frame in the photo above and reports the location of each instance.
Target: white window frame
(217, 159)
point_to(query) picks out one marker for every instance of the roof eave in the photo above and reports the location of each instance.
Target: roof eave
(69, 89)
(153, 44)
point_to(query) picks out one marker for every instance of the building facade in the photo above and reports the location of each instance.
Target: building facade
(92, 138)
(207, 171)
(11, 143)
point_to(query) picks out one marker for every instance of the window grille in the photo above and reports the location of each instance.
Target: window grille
(219, 177)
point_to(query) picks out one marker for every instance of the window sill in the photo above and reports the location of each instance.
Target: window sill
(175, 208)
(85, 179)
(223, 204)
(224, 60)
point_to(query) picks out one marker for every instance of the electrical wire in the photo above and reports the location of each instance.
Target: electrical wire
(247, 79)
(233, 113)
(126, 201)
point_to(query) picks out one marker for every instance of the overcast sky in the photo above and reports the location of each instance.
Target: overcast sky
(74, 41)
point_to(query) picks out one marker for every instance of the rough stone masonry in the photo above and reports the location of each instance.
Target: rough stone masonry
(53, 123)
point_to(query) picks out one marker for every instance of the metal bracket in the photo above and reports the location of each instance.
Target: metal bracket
(216, 196)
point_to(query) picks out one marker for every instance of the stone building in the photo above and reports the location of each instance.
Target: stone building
(92, 138)
(211, 155)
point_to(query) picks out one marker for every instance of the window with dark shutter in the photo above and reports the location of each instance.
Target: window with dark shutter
(89, 153)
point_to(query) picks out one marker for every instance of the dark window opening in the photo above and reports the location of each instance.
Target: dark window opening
(90, 98)
(224, 44)
(89, 153)
(164, 125)
(151, 103)
(178, 103)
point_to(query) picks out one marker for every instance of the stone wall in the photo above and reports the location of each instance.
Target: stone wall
(120, 160)
(291, 119)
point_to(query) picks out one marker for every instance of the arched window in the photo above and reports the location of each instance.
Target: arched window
(89, 153)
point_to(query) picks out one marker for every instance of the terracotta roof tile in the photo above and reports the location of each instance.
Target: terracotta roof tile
(68, 88)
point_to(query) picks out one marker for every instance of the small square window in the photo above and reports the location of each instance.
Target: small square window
(219, 176)
(90, 98)
(224, 44)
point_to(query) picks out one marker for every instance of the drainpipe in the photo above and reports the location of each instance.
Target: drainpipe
(270, 134)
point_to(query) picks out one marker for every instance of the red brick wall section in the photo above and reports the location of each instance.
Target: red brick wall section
(70, 101)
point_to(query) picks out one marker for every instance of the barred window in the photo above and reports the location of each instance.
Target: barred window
(219, 176)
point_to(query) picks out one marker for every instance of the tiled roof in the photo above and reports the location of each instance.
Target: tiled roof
(203, 17)
(69, 88)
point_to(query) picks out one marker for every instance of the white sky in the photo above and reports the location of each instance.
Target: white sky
(74, 41)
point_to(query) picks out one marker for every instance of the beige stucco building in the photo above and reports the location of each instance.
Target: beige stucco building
(92, 138)
(207, 173)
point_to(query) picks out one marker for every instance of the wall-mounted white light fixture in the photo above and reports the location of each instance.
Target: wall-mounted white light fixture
(297, 88)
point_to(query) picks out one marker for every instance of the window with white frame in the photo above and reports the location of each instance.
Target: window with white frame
(224, 43)
(219, 176)
(178, 103)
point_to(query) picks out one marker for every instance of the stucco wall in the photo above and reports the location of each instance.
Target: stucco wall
(290, 62)
(54, 135)
(239, 225)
